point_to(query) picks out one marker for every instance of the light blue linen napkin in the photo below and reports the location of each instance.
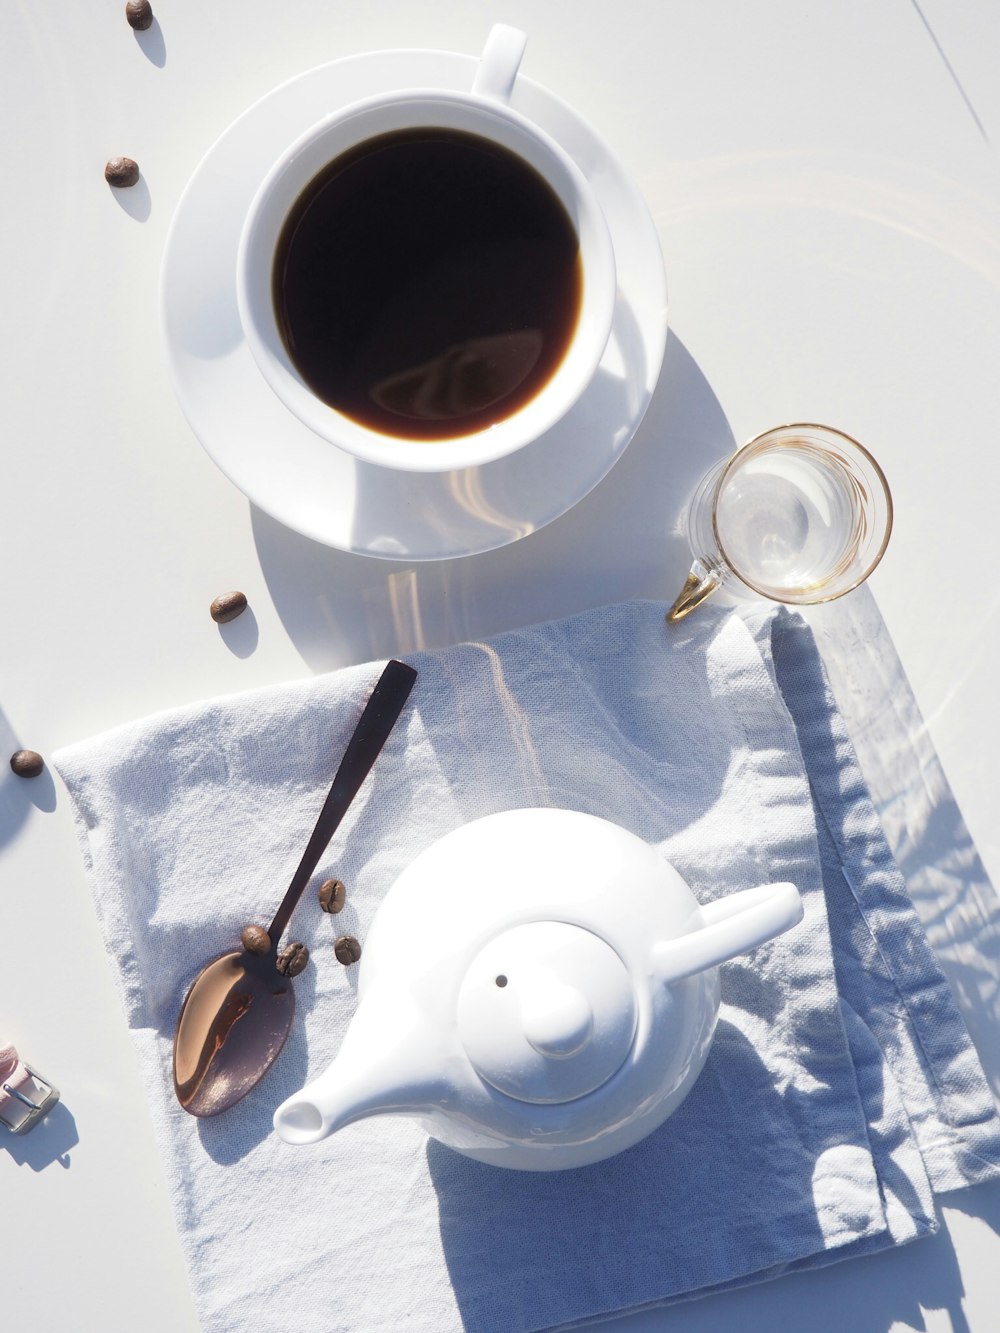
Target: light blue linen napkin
(841, 1091)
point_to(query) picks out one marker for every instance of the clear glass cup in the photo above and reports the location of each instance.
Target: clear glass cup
(801, 514)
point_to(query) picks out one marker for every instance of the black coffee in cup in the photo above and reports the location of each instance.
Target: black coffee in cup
(427, 283)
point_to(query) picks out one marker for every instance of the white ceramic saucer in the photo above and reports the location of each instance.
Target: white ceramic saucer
(308, 484)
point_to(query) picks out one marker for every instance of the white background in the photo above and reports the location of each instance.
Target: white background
(824, 182)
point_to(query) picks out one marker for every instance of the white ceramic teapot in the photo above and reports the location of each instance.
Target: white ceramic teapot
(539, 989)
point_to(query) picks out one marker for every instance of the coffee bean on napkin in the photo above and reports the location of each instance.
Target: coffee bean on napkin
(332, 895)
(292, 960)
(347, 949)
(255, 939)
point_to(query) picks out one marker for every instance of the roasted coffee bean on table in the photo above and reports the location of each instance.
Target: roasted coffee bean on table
(332, 895)
(139, 14)
(292, 960)
(347, 949)
(227, 606)
(27, 763)
(121, 172)
(255, 939)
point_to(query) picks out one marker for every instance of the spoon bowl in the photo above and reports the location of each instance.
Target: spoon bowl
(230, 1031)
(239, 1009)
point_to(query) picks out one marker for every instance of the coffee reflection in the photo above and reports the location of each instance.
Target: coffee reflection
(463, 380)
(427, 283)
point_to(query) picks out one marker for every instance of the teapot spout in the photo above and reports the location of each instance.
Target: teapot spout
(729, 926)
(388, 1063)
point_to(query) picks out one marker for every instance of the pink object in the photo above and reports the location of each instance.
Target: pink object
(9, 1062)
(25, 1095)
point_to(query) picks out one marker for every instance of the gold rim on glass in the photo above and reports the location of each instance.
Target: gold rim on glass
(731, 466)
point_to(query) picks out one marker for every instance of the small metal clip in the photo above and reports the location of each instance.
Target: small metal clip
(25, 1094)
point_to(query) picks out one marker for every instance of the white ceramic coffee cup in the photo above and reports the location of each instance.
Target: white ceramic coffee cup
(484, 110)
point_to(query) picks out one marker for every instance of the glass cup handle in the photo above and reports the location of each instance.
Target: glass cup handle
(701, 582)
(499, 63)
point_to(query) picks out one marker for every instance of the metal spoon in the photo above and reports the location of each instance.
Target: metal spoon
(237, 1013)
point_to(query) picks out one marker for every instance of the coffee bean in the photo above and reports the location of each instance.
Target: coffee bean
(347, 949)
(292, 960)
(139, 14)
(227, 606)
(27, 763)
(332, 895)
(121, 172)
(255, 939)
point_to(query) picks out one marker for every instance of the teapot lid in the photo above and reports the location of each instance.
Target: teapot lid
(547, 1012)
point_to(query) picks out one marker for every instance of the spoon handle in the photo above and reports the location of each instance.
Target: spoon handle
(376, 722)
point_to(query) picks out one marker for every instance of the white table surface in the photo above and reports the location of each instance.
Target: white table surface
(824, 182)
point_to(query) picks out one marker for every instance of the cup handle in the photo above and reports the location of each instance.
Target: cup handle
(499, 63)
(700, 583)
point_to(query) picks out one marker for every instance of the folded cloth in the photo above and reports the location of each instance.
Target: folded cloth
(841, 1090)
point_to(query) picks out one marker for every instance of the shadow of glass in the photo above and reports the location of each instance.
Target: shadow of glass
(623, 540)
(49, 1142)
(886, 970)
(947, 881)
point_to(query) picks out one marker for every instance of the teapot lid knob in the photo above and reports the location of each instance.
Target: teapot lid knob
(556, 1018)
(547, 1012)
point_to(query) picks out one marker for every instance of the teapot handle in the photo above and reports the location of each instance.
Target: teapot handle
(729, 926)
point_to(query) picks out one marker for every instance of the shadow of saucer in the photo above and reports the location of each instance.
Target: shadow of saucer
(622, 540)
